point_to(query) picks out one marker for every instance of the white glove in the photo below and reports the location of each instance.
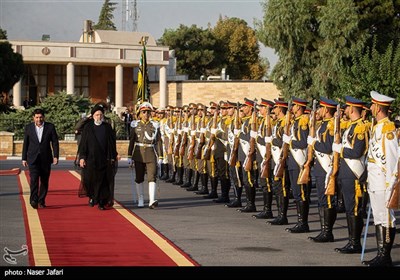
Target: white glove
(213, 131)
(253, 134)
(286, 138)
(160, 161)
(129, 161)
(268, 139)
(193, 132)
(236, 132)
(311, 140)
(337, 148)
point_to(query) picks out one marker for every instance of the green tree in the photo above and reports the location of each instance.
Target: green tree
(3, 34)
(194, 50)
(11, 67)
(238, 48)
(106, 16)
(372, 70)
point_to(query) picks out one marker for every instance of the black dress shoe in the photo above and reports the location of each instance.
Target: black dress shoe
(42, 205)
(34, 204)
(101, 207)
(91, 202)
(154, 205)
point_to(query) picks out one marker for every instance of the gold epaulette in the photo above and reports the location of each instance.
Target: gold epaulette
(344, 124)
(283, 122)
(360, 128)
(260, 120)
(228, 120)
(304, 120)
(197, 119)
(157, 119)
(331, 126)
(388, 126)
(174, 118)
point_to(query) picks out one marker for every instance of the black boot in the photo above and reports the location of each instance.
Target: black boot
(179, 180)
(214, 186)
(267, 212)
(251, 199)
(302, 218)
(164, 172)
(383, 257)
(237, 202)
(282, 203)
(189, 175)
(329, 218)
(339, 197)
(172, 179)
(195, 186)
(355, 225)
(204, 184)
(225, 187)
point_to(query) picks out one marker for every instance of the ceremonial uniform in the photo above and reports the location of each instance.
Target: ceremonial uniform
(322, 145)
(383, 158)
(201, 164)
(145, 148)
(297, 141)
(280, 185)
(266, 183)
(352, 151)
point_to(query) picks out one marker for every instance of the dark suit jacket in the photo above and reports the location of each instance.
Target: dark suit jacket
(47, 149)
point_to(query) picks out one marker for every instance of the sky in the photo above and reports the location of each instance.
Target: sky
(63, 19)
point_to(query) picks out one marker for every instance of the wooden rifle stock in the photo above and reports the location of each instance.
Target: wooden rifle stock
(184, 141)
(266, 164)
(285, 147)
(179, 139)
(234, 152)
(304, 176)
(248, 162)
(192, 138)
(207, 149)
(202, 140)
(330, 187)
(170, 149)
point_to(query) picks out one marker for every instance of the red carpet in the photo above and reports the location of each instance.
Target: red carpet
(70, 233)
(13, 172)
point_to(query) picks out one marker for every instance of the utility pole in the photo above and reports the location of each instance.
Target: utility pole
(129, 12)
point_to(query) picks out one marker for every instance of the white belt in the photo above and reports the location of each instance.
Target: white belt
(144, 145)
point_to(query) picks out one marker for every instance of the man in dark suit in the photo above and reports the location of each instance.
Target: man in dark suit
(39, 151)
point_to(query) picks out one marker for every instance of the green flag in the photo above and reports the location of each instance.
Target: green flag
(143, 86)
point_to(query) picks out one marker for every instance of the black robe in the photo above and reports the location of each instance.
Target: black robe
(97, 178)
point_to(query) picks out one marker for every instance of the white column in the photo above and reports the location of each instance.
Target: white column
(17, 98)
(119, 89)
(163, 87)
(70, 78)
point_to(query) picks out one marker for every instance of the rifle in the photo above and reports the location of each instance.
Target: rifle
(285, 147)
(248, 162)
(207, 149)
(234, 152)
(330, 187)
(394, 201)
(266, 164)
(192, 138)
(171, 138)
(179, 131)
(184, 141)
(202, 139)
(304, 176)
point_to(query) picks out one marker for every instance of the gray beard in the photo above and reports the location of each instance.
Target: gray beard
(98, 122)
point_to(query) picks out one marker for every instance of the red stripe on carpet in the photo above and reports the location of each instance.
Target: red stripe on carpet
(79, 235)
(14, 171)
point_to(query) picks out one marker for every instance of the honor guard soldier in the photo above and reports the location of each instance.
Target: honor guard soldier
(145, 148)
(265, 108)
(322, 145)
(297, 141)
(383, 157)
(163, 124)
(280, 185)
(200, 142)
(248, 176)
(169, 143)
(352, 171)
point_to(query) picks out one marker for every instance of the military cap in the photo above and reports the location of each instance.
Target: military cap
(307, 110)
(280, 103)
(351, 101)
(232, 104)
(213, 105)
(325, 102)
(367, 106)
(224, 104)
(299, 101)
(201, 106)
(185, 108)
(170, 107)
(192, 105)
(177, 109)
(146, 106)
(97, 107)
(265, 102)
(381, 99)
(248, 102)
